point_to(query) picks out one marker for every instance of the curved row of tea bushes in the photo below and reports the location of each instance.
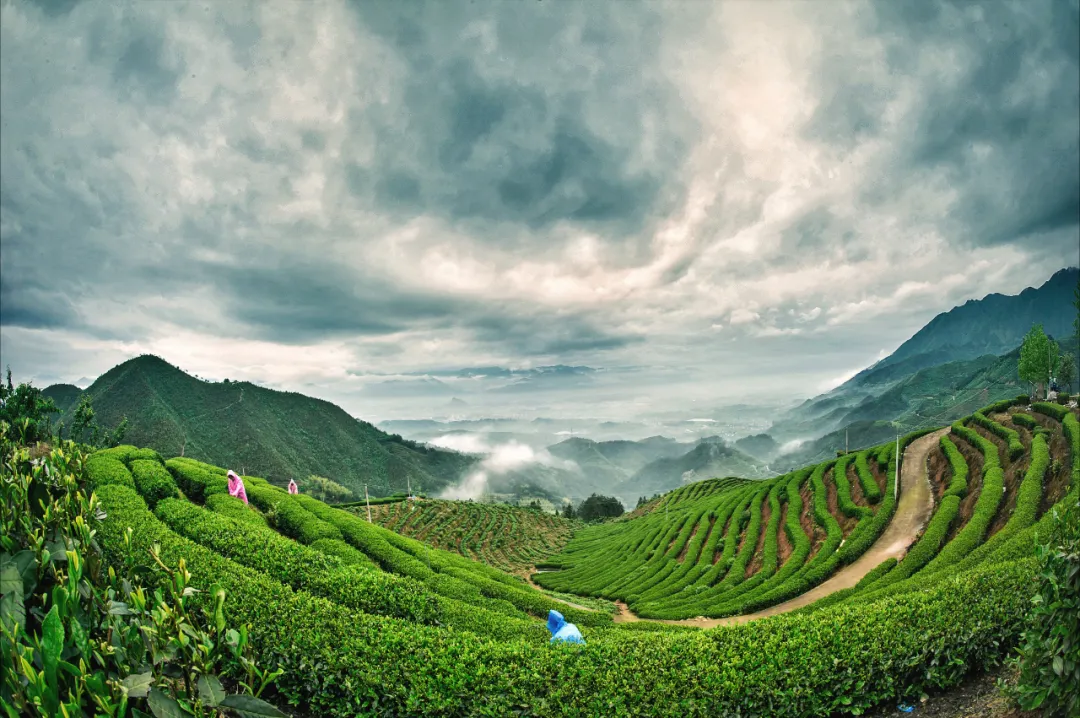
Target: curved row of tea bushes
(870, 487)
(153, 481)
(105, 470)
(196, 479)
(830, 556)
(712, 582)
(929, 544)
(986, 505)
(680, 570)
(1020, 546)
(348, 555)
(736, 574)
(725, 605)
(289, 516)
(126, 453)
(1029, 497)
(843, 490)
(260, 548)
(234, 508)
(821, 565)
(958, 464)
(1026, 421)
(443, 573)
(664, 608)
(1016, 447)
(784, 666)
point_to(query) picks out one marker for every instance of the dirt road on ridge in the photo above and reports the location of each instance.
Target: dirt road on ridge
(912, 512)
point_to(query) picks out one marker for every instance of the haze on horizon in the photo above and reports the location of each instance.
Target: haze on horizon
(704, 202)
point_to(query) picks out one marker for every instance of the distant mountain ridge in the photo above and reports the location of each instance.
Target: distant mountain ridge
(980, 331)
(275, 434)
(709, 458)
(995, 324)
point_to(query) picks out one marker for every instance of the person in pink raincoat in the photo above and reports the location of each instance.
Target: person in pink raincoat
(292, 487)
(236, 486)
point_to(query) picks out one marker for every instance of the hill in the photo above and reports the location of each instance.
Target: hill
(279, 435)
(609, 463)
(510, 538)
(995, 324)
(723, 548)
(709, 458)
(363, 615)
(941, 394)
(65, 396)
(977, 341)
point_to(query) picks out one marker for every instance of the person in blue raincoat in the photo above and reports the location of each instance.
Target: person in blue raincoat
(561, 630)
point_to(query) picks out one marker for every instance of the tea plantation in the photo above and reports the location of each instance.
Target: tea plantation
(508, 537)
(716, 550)
(367, 621)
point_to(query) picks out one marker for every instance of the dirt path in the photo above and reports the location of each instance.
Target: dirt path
(912, 512)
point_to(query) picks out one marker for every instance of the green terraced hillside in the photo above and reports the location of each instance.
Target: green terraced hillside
(511, 538)
(721, 549)
(364, 620)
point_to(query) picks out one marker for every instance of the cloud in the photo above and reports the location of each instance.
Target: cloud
(498, 459)
(292, 191)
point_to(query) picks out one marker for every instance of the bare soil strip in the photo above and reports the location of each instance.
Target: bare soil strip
(912, 512)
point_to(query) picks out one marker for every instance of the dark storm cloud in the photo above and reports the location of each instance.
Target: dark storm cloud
(406, 185)
(525, 114)
(998, 87)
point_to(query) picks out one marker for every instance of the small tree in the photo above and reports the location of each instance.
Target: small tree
(568, 511)
(1038, 358)
(84, 422)
(598, 507)
(1067, 370)
(26, 410)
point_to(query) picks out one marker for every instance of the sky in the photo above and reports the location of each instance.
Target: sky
(702, 201)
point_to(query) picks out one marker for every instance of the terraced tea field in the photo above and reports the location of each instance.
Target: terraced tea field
(365, 620)
(703, 552)
(511, 538)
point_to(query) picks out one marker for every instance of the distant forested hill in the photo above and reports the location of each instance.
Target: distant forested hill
(275, 434)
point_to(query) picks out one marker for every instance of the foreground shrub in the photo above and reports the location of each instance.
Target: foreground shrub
(1050, 645)
(80, 638)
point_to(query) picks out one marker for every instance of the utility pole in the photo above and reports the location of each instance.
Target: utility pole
(896, 479)
(368, 502)
(845, 441)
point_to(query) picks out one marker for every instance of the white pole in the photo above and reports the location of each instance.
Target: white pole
(896, 487)
(368, 502)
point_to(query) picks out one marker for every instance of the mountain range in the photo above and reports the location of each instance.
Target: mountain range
(263, 432)
(962, 359)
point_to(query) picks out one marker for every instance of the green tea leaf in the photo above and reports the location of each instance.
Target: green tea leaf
(162, 706)
(12, 610)
(251, 707)
(52, 643)
(10, 580)
(210, 690)
(138, 685)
